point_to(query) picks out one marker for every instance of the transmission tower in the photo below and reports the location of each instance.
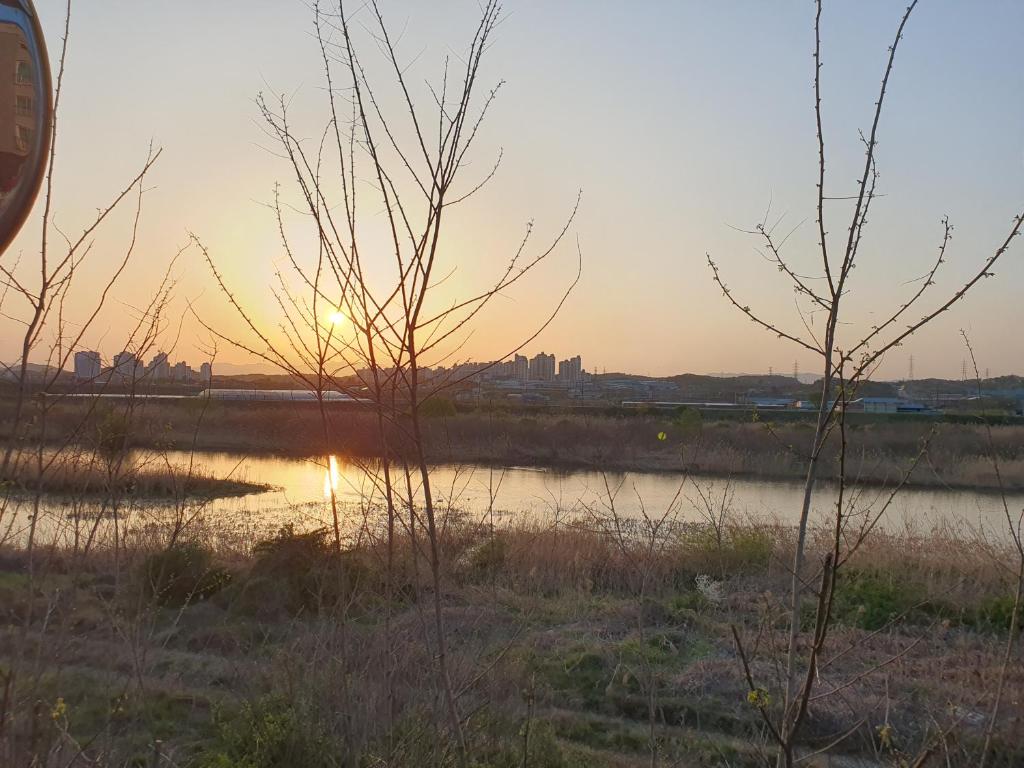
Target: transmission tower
(911, 377)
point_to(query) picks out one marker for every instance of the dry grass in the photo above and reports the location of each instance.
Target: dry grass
(957, 455)
(84, 475)
(536, 613)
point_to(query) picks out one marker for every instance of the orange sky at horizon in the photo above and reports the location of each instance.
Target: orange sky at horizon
(680, 122)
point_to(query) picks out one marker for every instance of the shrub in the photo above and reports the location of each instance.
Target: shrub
(295, 569)
(269, 733)
(489, 558)
(182, 574)
(688, 419)
(302, 573)
(994, 613)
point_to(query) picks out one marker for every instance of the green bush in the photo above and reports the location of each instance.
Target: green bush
(687, 601)
(688, 419)
(182, 574)
(269, 733)
(994, 613)
(296, 572)
(113, 432)
(488, 559)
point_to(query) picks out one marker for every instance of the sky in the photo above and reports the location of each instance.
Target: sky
(681, 122)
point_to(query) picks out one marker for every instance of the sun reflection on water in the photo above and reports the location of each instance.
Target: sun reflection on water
(332, 478)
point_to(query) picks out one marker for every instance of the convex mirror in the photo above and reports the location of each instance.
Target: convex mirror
(25, 114)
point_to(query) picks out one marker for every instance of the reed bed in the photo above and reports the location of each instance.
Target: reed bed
(235, 645)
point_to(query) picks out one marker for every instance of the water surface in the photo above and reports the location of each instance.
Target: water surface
(302, 490)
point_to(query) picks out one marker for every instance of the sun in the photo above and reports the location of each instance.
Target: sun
(337, 317)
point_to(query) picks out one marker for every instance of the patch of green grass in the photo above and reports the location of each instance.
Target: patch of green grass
(601, 734)
(619, 737)
(126, 720)
(583, 673)
(664, 649)
(269, 733)
(868, 600)
(991, 614)
(686, 603)
(11, 580)
(738, 550)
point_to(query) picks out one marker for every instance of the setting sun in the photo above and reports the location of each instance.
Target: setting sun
(337, 317)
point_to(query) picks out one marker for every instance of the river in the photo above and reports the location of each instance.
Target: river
(302, 489)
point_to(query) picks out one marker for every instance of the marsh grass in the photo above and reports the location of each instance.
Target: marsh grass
(880, 449)
(269, 654)
(89, 475)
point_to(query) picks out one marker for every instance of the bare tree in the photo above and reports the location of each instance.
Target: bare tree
(413, 159)
(847, 358)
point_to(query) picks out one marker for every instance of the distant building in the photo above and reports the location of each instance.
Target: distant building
(889, 405)
(206, 373)
(521, 368)
(571, 370)
(467, 370)
(159, 367)
(127, 364)
(88, 365)
(542, 367)
(181, 372)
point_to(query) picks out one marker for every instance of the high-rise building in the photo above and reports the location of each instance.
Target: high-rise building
(181, 372)
(571, 370)
(88, 365)
(159, 367)
(521, 368)
(206, 373)
(542, 367)
(126, 364)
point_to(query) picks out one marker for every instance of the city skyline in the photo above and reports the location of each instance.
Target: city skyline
(88, 366)
(517, 367)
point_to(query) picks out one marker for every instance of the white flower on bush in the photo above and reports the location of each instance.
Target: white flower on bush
(709, 588)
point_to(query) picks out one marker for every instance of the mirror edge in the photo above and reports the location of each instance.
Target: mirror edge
(28, 195)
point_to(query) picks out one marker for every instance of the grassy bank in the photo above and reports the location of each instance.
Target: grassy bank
(880, 450)
(94, 476)
(569, 647)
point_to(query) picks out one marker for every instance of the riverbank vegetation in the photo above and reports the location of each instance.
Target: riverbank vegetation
(880, 449)
(570, 646)
(91, 475)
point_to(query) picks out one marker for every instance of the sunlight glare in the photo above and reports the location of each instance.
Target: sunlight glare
(331, 479)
